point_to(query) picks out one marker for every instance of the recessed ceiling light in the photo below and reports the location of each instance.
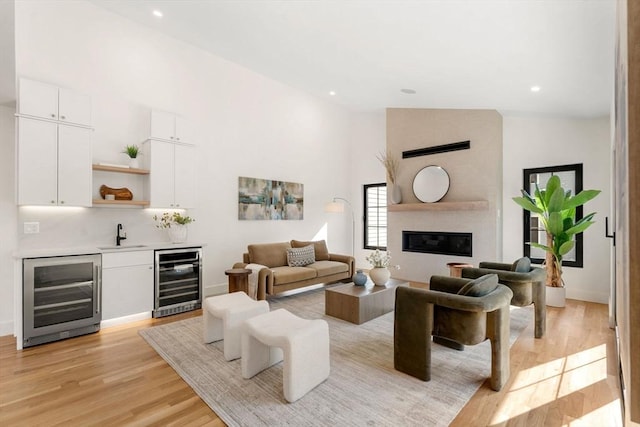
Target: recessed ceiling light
(332, 93)
(535, 88)
(157, 13)
(408, 91)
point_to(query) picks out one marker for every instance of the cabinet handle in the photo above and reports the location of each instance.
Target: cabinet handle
(53, 115)
(178, 138)
(62, 202)
(171, 137)
(177, 205)
(62, 117)
(53, 202)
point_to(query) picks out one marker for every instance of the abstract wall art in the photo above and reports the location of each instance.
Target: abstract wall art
(266, 199)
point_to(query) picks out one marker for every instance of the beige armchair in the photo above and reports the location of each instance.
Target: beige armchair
(461, 311)
(527, 284)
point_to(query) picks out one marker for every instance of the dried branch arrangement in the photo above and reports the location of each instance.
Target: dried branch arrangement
(390, 163)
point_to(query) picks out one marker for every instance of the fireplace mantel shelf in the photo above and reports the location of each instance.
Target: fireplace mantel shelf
(472, 205)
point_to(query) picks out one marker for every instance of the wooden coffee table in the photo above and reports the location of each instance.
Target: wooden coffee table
(359, 304)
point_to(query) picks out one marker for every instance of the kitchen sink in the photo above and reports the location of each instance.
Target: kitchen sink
(108, 248)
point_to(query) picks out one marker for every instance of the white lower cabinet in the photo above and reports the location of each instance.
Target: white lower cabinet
(127, 283)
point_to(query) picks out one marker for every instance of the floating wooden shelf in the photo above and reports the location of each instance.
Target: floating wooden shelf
(473, 205)
(143, 203)
(121, 170)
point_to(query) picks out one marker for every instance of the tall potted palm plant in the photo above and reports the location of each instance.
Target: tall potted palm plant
(556, 209)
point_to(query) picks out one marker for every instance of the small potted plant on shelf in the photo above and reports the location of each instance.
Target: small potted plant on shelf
(176, 225)
(556, 209)
(133, 151)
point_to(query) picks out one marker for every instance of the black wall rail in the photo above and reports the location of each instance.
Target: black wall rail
(463, 145)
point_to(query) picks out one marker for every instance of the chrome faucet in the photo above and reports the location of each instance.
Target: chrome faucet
(120, 238)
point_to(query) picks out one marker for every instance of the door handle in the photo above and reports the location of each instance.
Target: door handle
(606, 230)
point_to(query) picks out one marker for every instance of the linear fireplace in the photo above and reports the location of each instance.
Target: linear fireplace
(437, 242)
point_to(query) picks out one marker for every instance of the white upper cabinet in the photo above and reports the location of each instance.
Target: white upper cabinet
(185, 176)
(54, 164)
(169, 127)
(172, 174)
(50, 102)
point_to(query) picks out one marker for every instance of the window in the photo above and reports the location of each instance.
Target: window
(375, 216)
(571, 178)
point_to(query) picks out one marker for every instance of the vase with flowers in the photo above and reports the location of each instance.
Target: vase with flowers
(176, 225)
(380, 262)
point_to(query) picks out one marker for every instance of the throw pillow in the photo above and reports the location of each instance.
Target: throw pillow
(299, 257)
(480, 286)
(521, 265)
(320, 246)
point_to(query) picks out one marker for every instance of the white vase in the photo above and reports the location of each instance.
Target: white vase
(379, 275)
(396, 194)
(134, 163)
(556, 296)
(177, 233)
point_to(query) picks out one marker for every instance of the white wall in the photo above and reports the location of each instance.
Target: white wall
(368, 138)
(539, 142)
(244, 125)
(8, 217)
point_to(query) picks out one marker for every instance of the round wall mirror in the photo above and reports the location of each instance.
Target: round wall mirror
(431, 184)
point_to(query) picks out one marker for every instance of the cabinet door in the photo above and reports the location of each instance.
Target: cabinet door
(127, 291)
(161, 177)
(182, 130)
(162, 125)
(38, 99)
(74, 166)
(74, 107)
(37, 162)
(185, 176)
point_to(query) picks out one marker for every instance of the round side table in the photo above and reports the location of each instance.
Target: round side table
(238, 280)
(455, 268)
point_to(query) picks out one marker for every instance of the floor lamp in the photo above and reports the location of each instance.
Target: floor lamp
(336, 207)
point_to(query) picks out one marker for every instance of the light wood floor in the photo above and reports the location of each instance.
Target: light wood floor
(114, 378)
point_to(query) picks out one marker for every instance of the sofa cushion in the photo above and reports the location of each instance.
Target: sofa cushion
(299, 257)
(521, 265)
(286, 275)
(269, 254)
(320, 246)
(327, 268)
(480, 286)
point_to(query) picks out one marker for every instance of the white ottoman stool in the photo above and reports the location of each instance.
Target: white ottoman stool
(302, 343)
(223, 315)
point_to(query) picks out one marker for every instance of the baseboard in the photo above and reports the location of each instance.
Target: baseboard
(6, 327)
(581, 295)
(218, 289)
(125, 319)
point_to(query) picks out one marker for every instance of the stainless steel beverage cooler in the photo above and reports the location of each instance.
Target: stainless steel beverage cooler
(61, 297)
(178, 281)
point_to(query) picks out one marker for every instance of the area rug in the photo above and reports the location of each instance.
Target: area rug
(363, 389)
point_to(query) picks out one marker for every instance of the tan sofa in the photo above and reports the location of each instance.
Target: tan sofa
(277, 276)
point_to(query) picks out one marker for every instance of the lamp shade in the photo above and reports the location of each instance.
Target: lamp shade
(334, 207)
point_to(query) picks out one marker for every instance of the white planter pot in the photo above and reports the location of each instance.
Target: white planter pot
(177, 233)
(556, 297)
(379, 276)
(134, 163)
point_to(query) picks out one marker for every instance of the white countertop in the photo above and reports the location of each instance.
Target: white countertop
(85, 250)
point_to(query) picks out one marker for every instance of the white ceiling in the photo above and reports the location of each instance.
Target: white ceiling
(453, 53)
